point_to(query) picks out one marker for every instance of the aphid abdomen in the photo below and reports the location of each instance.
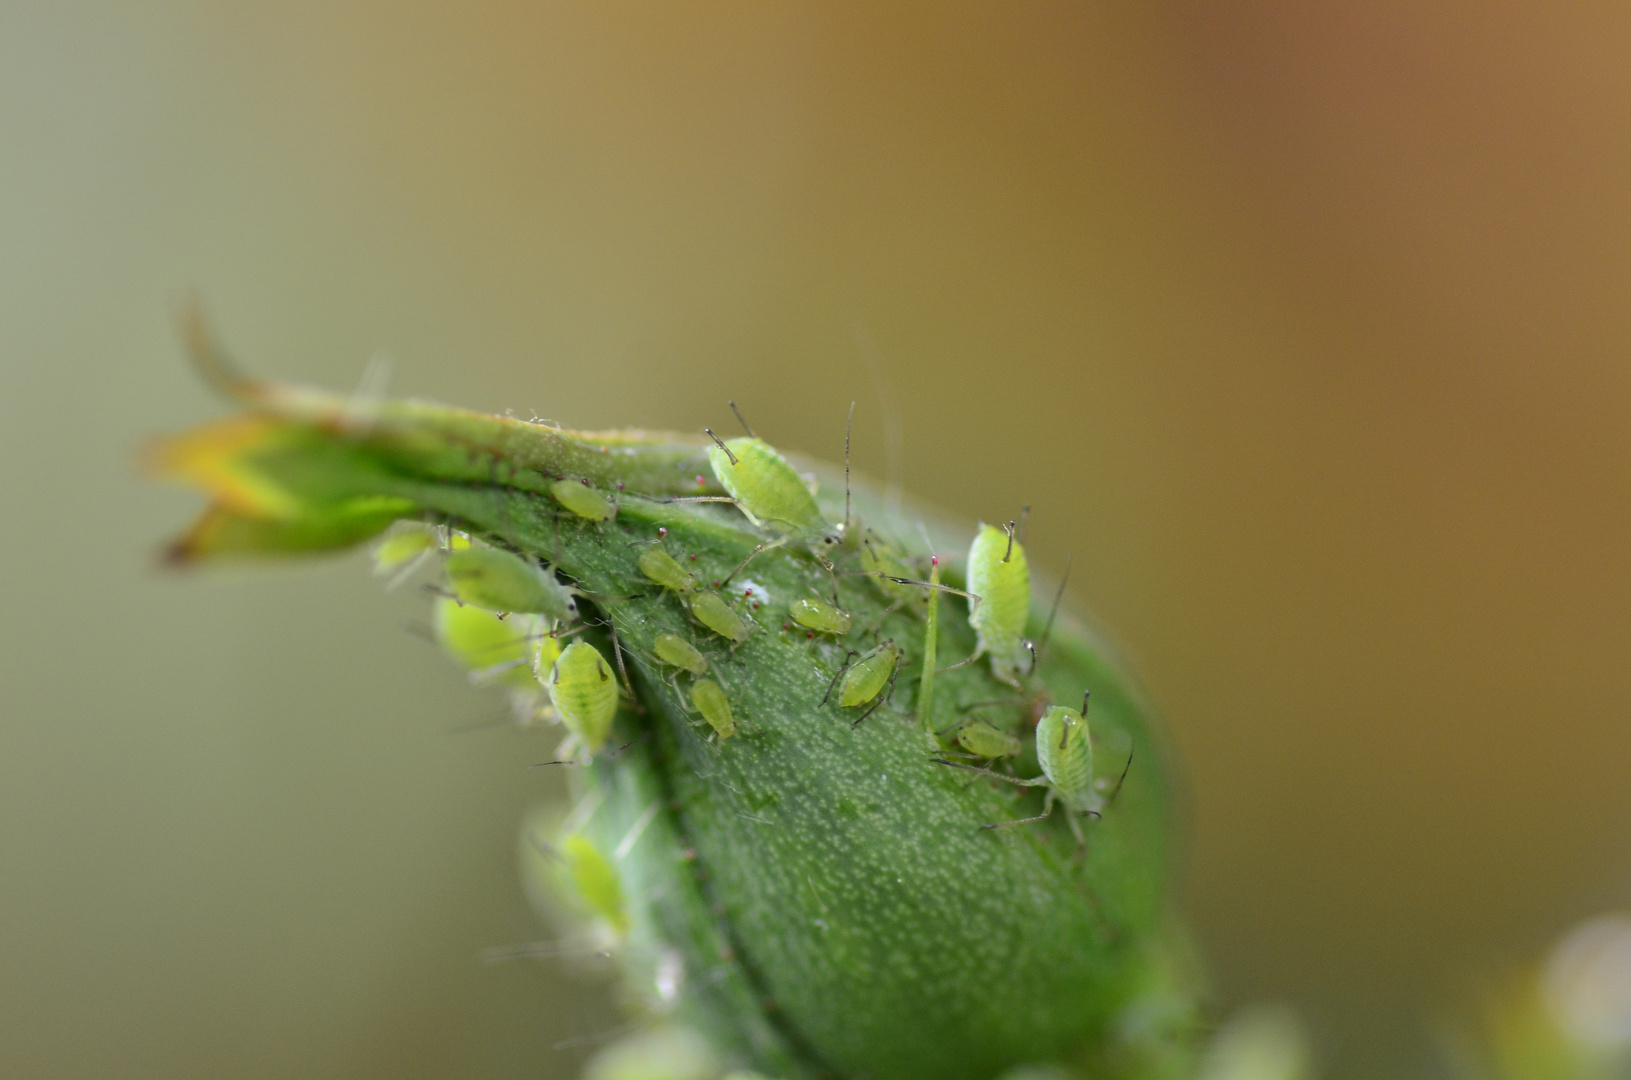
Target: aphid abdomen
(867, 677)
(584, 693)
(768, 489)
(712, 611)
(714, 706)
(663, 569)
(595, 881)
(1066, 755)
(675, 650)
(813, 614)
(499, 581)
(582, 500)
(998, 574)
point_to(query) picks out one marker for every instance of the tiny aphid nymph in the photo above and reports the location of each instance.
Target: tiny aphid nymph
(714, 706)
(713, 612)
(662, 568)
(998, 574)
(982, 740)
(813, 614)
(675, 650)
(583, 500)
(584, 693)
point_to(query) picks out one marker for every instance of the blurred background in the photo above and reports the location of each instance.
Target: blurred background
(1304, 327)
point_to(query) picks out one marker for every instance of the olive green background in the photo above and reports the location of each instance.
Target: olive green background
(1305, 328)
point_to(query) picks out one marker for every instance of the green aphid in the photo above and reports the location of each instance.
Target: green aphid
(813, 614)
(982, 740)
(402, 549)
(712, 611)
(715, 708)
(675, 650)
(1065, 752)
(997, 573)
(766, 488)
(584, 693)
(583, 500)
(491, 649)
(665, 570)
(865, 680)
(500, 581)
(595, 881)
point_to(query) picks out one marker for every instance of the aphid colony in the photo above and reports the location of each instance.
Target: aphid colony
(505, 619)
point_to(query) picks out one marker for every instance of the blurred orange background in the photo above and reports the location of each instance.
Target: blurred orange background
(1303, 327)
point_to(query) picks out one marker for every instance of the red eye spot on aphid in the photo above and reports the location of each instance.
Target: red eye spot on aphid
(747, 593)
(621, 485)
(809, 634)
(693, 558)
(787, 626)
(934, 560)
(700, 481)
(716, 580)
(585, 483)
(757, 605)
(662, 531)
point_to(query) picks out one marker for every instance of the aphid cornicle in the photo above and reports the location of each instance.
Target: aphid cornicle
(714, 706)
(584, 693)
(665, 570)
(813, 614)
(675, 650)
(583, 500)
(998, 574)
(866, 678)
(1065, 753)
(500, 581)
(712, 611)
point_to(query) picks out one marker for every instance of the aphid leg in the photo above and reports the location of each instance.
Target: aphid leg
(887, 695)
(979, 651)
(1076, 828)
(766, 546)
(1047, 808)
(1009, 529)
(627, 688)
(839, 674)
(872, 627)
(1040, 781)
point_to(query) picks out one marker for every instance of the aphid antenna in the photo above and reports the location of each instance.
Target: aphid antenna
(1047, 628)
(849, 424)
(1040, 781)
(208, 360)
(437, 590)
(419, 628)
(915, 581)
(756, 552)
(1125, 769)
(721, 444)
(741, 420)
(975, 655)
(698, 498)
(558, 761)
(614, 754)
